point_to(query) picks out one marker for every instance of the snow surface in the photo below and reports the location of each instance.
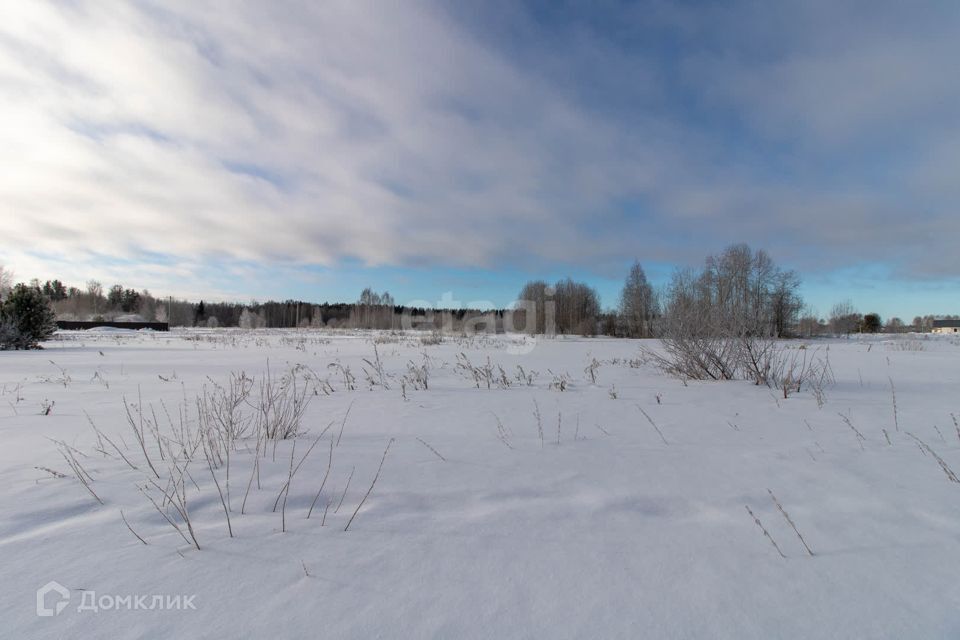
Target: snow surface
(603, 530)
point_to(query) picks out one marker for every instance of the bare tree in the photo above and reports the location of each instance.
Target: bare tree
(373, 311)
(785, 302)
(533, 306)
(810, 324)
(578, 307)
(844, 318)
(894, 325)
(95, 291)
(638, 304)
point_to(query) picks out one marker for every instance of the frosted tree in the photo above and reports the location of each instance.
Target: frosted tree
(248, 319)
(6, 281)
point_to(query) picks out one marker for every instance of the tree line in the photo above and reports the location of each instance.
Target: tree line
(740, 291)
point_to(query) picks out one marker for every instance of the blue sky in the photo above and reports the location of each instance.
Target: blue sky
(245, 150)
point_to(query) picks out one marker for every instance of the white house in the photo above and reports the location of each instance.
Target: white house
(946, 326)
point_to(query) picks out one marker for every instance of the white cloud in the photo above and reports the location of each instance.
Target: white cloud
(357, 127)
(393, 134)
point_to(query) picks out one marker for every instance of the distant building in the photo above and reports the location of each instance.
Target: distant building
(76, 325)
(946, 326)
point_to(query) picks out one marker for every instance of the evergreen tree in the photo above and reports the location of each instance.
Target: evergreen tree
(130, 301)
(115, 296)
(55, 290)
(871, 323)
(26, 319)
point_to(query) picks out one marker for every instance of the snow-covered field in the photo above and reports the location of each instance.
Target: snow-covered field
(594, 520)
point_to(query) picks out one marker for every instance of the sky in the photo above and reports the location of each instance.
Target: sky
(451, 151)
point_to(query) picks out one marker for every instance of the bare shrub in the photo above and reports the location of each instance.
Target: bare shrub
(349, 381)
(591, 370)
(721, 322)
(487, 374)
(281, 406)
(560, 381)
(417, 376)
(906, 344)
(224, 405)
(793, 369)
(377, 366)
(432, 339)
(525, 377)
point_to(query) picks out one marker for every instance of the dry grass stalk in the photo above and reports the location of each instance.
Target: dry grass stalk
(536, 414)
(893, 395)
(131, 528)
(856, 432)
(175, 494)
(139, 431)
(299, 464)
(502, 434)
(765, 532)
(254, 471)
(283, 508)
(370, 490)
(323, 520)
(951, 476)
(789, 521)
(66, 451)
(344, 494)
(322, 484)
(435, 452)
(223, 501)
(344, 423)
(653, 424)
(52, 472)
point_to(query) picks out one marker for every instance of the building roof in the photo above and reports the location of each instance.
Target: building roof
(946, 324)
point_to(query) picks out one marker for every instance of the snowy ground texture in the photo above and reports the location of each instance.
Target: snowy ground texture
(478, 526)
